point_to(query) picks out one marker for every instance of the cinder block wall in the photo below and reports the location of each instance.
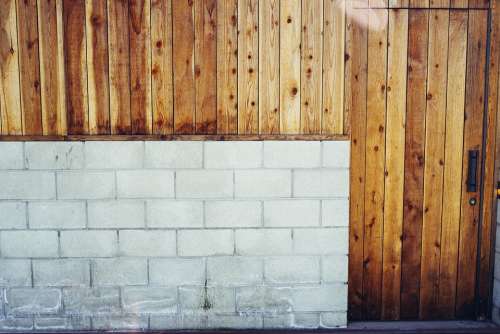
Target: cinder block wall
(162, 235)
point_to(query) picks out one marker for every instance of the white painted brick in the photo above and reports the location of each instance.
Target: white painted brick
(336, 154)
(334, 320)
(172, 154)
(233, 214)
(321, 298)
(116, 154)
(292, 269)
(85, 185)
(227, 271)
(88, 301)
(177, 271)
(334, 268)
(57, 214)
(13, 215)
(335, 212)
(29, 244)
(205, 242)
(135, 322)
(58, 323)
(145, 184)
(231, 321)
(147, 243)
(233, 154)
(26, 301)
(263, 183)
(202, 299)
(88, 243)
(292, 154)
(321, 183)
(321, 241)
(174, 214)
(116, 214)
(27, 185)
(120, 271)
(149, 300)
(15, 273)
(61, 272)
(204, 184)
(12, 155)
(263, 242)
(291, 213)
(54, 155)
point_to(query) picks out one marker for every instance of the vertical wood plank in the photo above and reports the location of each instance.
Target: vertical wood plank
(398, 3)
(227, 66)
(414, 163)
(51, 66)
(290, 26)
(453, 163)
(394, 162)
(269, 67)
(140, 66)
(311, 66)
(479, 3)
(375, 159)
(206, 66)
(119, 66)
(419, 3)
(10, 95)
(29, 65)
(439, 3)
(473, 132)
(459, 4)
(97, 66)
(161, 71)
(75, 66)
(333, 120)
(248, 66)
(355, 103)
(183, 63)
(434, 161)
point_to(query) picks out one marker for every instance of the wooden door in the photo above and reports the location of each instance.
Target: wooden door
(417, 105)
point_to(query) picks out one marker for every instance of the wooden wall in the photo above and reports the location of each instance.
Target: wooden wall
(172, 67)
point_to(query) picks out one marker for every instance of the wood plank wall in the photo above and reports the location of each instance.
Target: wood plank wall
(163, 67)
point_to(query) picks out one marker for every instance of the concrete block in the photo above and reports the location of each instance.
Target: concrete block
(206, 299)
(336, 154)
(145, 184)
(334, 319)
(231, 321)
(292, 269)
(91, 301)
(147, 243)
(335, 212)
(12, 155)
(178, 321)
(204, 184)
(13, 215)
(292, 320)
(291, 213)
(263, 242)
(89, 243)
(54, 155)
(10, 324)
(25, 185)
(174, 214)
(29, 244)
(116, 214)
(26, 301)
(85, 185)
(57, 215)
(15, 273)
(263, 183)
(292, 154)
(176, 271)
(234, 270)
(114, 154)
(149, 300)
(129, 322)
(320, 298)
(174, 154)
(205, 242)
(62, 323)
(120, 271)
(233, 154)
(61, 272)
(233, 214)
(263, 300)
(321, 183)
(321, 241)
(335, 268)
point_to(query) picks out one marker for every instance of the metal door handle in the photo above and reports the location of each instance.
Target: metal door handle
(472, 171)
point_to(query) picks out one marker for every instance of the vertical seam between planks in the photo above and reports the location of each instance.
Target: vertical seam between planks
(86, 66)
(129, 86)
(344, 117)
(110, 125)
(172, 64)
(39, 66)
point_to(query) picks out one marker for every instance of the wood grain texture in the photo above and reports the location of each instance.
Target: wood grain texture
(473, 132)
(439, 3)
(355, 103)
(10, 94)
(29, 65)
(205, 69)
(290, 27)
(334, 32)
(452, 190)
(248, 66)
(97, 66)
(161, 71)
(119, 66)
(183, 63)
(269, 66)
(414, 163)
(227, 66)
(375, 158)
(435, 120)
(311, 66)
(459, 4)
(394, 163)
(140, 66)
(75, 66)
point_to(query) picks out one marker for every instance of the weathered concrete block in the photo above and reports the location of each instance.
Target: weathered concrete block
(263, 300)
(177, 271)
(120, 271)
(54, 155)
(262, 183)
(149, 300)
(292, 154)
(321, 183)
(204, 184)
(16, 324)
(145, 184)
(147, 243)
(116, 155)
(89, 243)
(292, 269)
(62, 272)
(174, 214)
(25, 301)
(206, 299)
(29, 243)
(233, 214)
(234, 321)
(116, 214)
(263, 242)
(292, 320)
(15, 273)
(164, 154)
(57, 215)
(25, 185)
(335, 212)
(67, 323)
(85, 185)
(205, 242)
(228, 271)
(335, 268)
(321, 241)
(336, 154)
(320, 298)
(13, 215)
(333, 319)
(120, 322)
(291, 213)
(178, 321)
(233, 154)
(12, 155)
(91, 301)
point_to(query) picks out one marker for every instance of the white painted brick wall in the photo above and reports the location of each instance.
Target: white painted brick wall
(174, 235)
